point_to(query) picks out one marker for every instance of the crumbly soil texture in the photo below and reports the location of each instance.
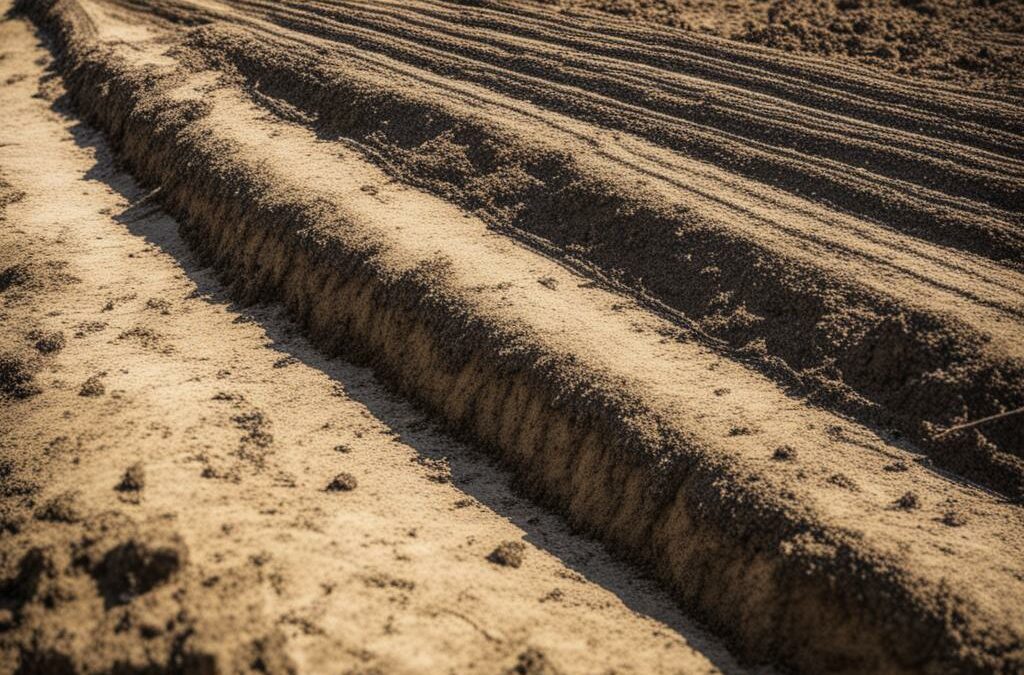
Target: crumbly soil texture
(511, 337)
(977, 42)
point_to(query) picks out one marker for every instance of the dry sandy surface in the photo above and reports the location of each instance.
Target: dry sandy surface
(224, 550)
(703, 316)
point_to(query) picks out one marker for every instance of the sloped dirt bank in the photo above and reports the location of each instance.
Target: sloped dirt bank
(838, 229)
(825, 560)
(188, 486)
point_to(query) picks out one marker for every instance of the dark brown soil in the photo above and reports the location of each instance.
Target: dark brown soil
(978, 42)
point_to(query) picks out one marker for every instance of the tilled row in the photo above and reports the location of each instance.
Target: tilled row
(807, 149)
(930, 185)
(630, 433)
(881, 326)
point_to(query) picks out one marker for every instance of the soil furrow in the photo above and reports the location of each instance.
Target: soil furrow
(372, 198)
(730, 110)
(888, 333)
(176, 518)
(941, 209)
(796, 75)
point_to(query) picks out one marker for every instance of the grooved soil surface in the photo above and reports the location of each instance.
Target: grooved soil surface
(188, 485)
(778, 252)
(975, 42)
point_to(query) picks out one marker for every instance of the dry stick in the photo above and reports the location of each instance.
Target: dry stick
(968, 425)
(145, 199)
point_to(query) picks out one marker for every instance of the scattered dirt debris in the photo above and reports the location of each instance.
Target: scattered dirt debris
(93, 386)
(134, 478)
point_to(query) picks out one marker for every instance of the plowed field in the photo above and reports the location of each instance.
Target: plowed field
(487, 336)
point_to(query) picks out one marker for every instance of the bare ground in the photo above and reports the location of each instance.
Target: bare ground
(710, 303)
(979, 43)
(176, 512)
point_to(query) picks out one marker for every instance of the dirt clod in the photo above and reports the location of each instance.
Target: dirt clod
(954, 518)
(896, 466)
(134, 479)
(843, 481)
(93, 386)
(908, 501)
(532, 662)
(137, 566)
(508, 554)
(146, 337)
(343, 482)
(159, 304)
(784, 453)
(17, 376)
(48, 342)
(14, 275)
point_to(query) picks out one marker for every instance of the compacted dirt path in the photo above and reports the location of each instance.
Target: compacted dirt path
(713, 305)
(166, 494)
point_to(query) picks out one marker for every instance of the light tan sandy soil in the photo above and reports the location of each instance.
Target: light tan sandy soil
(717, 306)
(223, 551)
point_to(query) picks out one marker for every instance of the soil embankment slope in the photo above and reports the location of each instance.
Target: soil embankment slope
(777, 258)
(164, 470)
(855, 235)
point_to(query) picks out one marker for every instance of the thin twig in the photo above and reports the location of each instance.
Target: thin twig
(968, 425)
(147, 198)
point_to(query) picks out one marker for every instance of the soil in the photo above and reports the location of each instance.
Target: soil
(496, 337)
(978, 43)
(173, 519)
